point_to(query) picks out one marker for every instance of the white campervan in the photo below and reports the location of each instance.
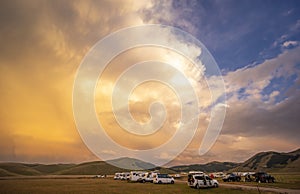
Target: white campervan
(137, 176)
(117, 176)
(149, 176)
(125, 175)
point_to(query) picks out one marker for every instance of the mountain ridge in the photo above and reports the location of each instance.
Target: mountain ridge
(263, 161)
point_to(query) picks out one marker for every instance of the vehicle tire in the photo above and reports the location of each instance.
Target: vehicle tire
(216, 185)
(172, 182)
(197, 186)
(159, 182)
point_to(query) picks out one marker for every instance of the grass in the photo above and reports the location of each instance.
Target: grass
(282, 180)
(103, 186)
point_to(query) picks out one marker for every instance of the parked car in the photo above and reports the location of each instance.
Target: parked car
(231, 178)
(201, 181)
(163, 178)
(263, 177)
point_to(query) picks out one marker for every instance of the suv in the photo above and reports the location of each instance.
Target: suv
(163, 178)
(263, 177)
(231, 177)
(201, 180)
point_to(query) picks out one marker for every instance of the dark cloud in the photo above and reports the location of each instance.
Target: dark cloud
(252, 119)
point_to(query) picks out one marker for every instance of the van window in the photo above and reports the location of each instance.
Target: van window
(199, 177)
(162, 176)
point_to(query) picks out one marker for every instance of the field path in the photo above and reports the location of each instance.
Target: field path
(277, 190)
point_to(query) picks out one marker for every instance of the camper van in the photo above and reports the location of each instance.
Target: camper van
(125, 175)
(149, 176)
(117, 176)
(137, 176)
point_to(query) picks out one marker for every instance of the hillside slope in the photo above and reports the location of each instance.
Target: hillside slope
(272, 161)
(90, 168)
(209, 167)
(264, 161)
(18, 169)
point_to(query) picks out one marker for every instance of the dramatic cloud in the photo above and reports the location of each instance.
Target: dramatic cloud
(43, 43)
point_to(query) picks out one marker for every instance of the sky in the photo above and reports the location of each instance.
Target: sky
(256, 45)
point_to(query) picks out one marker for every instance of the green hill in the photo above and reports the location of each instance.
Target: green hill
(18, 169)
(209, 167)
(272, 161)
(52, 168)
(264, 161)
(131, 163)
(91, 168)
(6, 173)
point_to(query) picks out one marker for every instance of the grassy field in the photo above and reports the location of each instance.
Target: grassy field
(282, 180)
(103, 186)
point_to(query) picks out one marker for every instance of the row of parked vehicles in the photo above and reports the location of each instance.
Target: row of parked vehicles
(141, 176)
(196, 179)
(260, 177)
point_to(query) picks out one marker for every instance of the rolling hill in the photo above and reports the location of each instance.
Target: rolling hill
(209, 167)
(131, 163)
(272, 161)
(88, 168)
(11, 169)
(264, 161)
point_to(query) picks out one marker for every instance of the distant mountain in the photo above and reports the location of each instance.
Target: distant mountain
(131, 163)
(11, 169)
(88, 168)
(272, 161)
(209, 167)
(164, 170)
(264, 161)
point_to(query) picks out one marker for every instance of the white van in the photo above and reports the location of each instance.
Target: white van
(117, 176)
(163, 178)
(149, 176)
(137, 176)
(125, 175)
(201, 181)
